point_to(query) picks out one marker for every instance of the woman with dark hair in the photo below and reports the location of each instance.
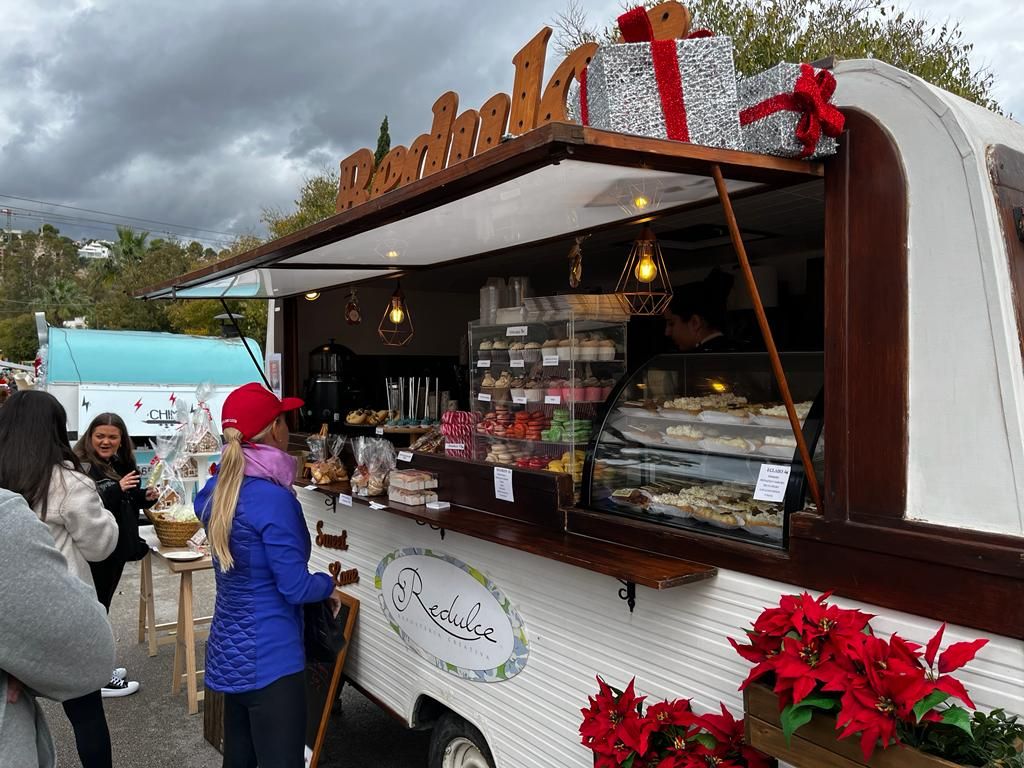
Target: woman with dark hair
(108, 457)
(696, 317)
(37, 462)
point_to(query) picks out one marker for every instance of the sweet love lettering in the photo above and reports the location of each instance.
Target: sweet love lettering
(456, 137)
(343, 577)
(330, 541)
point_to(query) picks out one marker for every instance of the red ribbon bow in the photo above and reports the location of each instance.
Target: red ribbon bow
(811, 97)
(635, 27)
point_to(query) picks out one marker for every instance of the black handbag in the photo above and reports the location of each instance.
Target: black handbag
(323, 633)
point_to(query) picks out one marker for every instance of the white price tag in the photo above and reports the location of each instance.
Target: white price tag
(311, 487)
(503, 484)
(771, 482)
(519, 399)
(550, 360)
(517, 330)
(345, 500)
(405, 455)
(483, 363)
(483, 398)
(517, 363)
(553, 399)
(379, 430)
(455, 446)
(376, 505)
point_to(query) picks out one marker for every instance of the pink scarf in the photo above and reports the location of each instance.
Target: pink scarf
(269, 463)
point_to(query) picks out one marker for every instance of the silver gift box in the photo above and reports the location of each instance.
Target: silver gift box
(623, 96)
(776, 134)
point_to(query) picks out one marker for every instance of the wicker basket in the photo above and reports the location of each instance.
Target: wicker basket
(172, 533)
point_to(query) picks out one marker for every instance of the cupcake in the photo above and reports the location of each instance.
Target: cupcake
(567, 348)
(606, 350)
(499, 352)
(607, 385)
(502, 387)
(484, 352)
(532, 352)
(577, 391)
(487, 384)
(515, 350)
(553, 388)
(592, 390)
(588, 349)
(534, 391)
(518, 387)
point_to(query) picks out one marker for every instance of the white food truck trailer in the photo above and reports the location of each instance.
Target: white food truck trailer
(919, 516)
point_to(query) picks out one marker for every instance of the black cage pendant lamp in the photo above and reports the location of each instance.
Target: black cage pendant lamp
(395, 328)
(643, 286)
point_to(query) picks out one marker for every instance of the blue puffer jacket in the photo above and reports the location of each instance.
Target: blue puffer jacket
(256, 634)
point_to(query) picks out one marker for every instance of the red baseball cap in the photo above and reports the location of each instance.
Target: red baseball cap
(252, 408)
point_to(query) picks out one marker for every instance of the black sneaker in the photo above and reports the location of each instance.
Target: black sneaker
(118, 687)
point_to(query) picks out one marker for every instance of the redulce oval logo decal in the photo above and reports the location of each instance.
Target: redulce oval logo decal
(452, 615)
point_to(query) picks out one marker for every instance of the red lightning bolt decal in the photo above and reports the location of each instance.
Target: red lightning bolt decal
(172, 398)
(138, 404)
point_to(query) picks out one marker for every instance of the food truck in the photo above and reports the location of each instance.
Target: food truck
(139, 375)
(882, 399)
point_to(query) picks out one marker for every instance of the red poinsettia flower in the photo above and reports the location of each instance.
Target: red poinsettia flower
(950, 660)
(730, 736)
(677, 712)
(830, 622)
(603, 722)
(803, 664)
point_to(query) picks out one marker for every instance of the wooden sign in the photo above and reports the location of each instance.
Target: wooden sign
(456, 137)
(328, 540)
(323, 679)
(343, 578)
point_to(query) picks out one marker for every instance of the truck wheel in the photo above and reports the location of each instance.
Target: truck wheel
(457, 744)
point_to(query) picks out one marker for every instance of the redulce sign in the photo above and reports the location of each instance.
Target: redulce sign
(456, 137)
(452, 615)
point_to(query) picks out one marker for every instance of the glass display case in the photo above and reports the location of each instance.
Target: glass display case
(538, 387)
(702, 442)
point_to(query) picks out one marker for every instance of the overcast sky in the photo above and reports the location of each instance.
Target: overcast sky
(203, 112)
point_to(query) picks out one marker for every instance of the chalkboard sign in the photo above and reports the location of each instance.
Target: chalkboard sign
(322, 680)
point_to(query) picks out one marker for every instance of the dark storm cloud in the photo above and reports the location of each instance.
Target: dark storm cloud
(205, 112)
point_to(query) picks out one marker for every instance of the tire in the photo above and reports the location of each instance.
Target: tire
(455, 743)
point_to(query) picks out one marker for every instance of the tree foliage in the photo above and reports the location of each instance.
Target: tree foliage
(316, 202)
(765, 32)
(383, 143)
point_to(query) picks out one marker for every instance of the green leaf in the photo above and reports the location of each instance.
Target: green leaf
(821, 702)
(929, 702)
(628, 762)
(706, 740)
(959, 718)
(793, 717)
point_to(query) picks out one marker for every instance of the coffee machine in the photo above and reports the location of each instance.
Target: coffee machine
(331, 390)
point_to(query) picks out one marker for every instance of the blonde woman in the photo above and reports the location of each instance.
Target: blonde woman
(261, 548)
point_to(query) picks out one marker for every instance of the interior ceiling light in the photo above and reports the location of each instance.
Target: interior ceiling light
(312, 295)
(395, 328)
(643, 286)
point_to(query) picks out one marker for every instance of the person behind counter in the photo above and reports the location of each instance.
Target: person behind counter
(107, 455)
(37, 462)
(696, 317)
(261, 549)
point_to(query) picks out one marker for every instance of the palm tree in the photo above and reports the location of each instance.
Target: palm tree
(62, 299)
(130, 246)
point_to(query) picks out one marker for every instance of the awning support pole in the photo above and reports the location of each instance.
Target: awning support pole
(766, 332)
(231, 317)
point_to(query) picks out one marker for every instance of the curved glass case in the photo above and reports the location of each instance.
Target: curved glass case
(702, 442)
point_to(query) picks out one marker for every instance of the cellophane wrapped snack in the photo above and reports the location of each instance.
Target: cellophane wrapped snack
(173, 502)
(202, 437)
(327, 467)
(375, 458)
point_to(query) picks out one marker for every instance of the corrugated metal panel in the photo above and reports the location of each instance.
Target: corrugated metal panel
(675, 642)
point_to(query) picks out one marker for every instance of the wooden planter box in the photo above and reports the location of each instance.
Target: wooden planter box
(815, 744)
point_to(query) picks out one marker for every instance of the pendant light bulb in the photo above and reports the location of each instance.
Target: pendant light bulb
(646, 270)
(640, 202)
(397, 314)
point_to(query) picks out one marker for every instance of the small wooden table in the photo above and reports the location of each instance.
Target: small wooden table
(181, 632)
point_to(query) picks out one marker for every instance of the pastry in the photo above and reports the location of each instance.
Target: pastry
(588, 349)
(606, 350)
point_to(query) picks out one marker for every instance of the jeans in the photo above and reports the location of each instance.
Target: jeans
(266, 727)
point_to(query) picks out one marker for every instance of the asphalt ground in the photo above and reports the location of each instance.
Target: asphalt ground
(152, 729)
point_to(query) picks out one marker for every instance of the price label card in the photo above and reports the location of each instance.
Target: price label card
(550, 360)
(376, 505)
(455, 446)
(345, 500)
(483, 398)
(311, 487)
(516, 330)
(519, 399)
(405, 455)
(483, 363)
(517, 363)
(379, 430)
(553, 399)
(503, 484)
(771, 482)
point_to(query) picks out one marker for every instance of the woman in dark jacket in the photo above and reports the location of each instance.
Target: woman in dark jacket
(695, 318)
(107, 455)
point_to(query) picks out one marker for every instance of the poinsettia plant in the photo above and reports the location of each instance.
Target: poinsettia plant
(668, 734)
(821, 657)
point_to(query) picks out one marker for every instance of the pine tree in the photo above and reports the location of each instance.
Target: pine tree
(383, 143)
